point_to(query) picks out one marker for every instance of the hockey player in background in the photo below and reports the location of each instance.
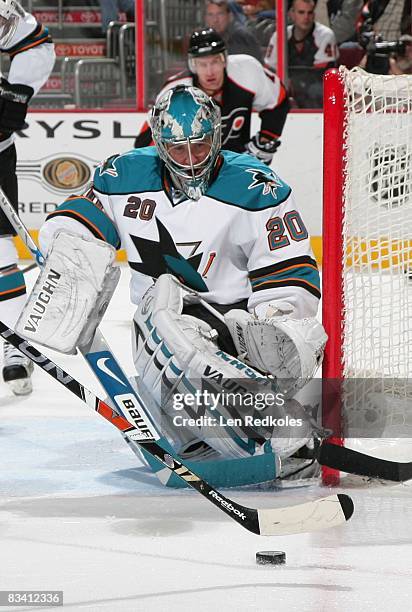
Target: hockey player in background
(225, 226)
(31, 52)
(238, 84)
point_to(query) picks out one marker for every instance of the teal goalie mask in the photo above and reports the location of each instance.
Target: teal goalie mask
(185, 125)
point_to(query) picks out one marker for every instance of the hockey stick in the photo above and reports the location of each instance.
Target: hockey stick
(307, 517)
(98, 344)
(29, 268)
(354, 462)
(223, 472)
(322, 513)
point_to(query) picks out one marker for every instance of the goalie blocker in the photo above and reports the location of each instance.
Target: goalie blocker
(71, 293)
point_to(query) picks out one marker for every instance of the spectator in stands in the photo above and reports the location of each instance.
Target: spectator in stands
(110, 11)
(341, 16)
(237, 11)
(237, 83)
(260, 19)
(258, 9)
(311, 50)
(402, 63)
(309, 43)
(386, 21)
(390, 18)
(238, 39)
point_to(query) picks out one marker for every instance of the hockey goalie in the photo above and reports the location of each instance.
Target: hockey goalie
(223, 278)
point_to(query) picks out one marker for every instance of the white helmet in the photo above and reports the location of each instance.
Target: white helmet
(10, 14)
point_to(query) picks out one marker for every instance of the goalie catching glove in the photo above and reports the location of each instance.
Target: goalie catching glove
(71, 293)
(289, 349)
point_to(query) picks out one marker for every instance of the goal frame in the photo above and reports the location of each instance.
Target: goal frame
(367, 258)
(334, 170)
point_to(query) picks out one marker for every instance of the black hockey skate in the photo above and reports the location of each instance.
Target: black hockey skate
(17, 370)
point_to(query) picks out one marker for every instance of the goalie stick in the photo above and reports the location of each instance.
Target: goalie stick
(222, 472)
(307, 517)
(29, 268)
(311, 516)
(351, 461)
(331, 455)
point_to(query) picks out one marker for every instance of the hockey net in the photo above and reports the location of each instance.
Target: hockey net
(367, 263)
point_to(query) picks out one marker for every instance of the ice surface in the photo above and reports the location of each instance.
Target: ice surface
(79, 513)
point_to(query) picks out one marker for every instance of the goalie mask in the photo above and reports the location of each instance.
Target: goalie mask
(185, 124)
(10, 14)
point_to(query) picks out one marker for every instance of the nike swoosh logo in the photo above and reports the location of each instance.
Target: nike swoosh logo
(101, 364)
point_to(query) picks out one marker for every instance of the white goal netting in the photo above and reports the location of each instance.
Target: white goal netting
(377, 262)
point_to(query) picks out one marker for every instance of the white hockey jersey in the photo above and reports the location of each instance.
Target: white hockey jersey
(317, 49)
(243, 239)
(246, 87)
(32, 58)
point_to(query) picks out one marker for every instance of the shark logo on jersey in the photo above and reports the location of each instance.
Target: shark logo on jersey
(108, 166)
(162, 257)
(268, 181)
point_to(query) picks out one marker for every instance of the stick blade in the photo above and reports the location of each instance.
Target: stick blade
(353, 462)
(311, 516)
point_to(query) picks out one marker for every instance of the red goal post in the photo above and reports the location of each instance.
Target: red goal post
(332, 251)
(367, 259)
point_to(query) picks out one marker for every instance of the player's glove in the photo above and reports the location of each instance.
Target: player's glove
(14, 100)
(262, 150)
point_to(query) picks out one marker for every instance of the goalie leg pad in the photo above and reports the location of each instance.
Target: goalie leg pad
(71, 293)
(176, 356)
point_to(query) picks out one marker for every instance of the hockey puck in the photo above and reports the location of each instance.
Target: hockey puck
(270, 557)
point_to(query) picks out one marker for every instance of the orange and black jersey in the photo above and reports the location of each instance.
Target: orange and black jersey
(247, 86)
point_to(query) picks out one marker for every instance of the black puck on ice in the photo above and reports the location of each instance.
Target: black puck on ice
(270, 557)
